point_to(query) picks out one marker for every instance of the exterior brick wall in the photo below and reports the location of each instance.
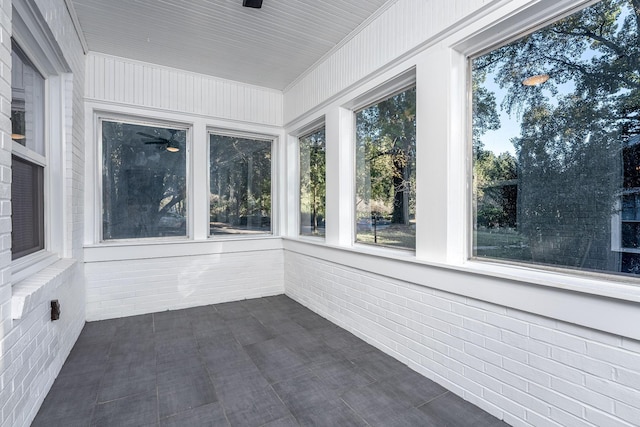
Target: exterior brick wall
(32, 347)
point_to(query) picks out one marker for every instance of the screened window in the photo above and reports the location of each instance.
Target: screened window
(386, 172)
(144, 181)
(556, 128)
(239, 186)
(312, 183)
(28, 159)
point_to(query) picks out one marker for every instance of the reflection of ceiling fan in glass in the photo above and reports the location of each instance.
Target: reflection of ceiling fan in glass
(171, 143)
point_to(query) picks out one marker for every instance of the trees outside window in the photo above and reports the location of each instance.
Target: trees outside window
(555, 134)
(386, 171)
(240, 185)
(144, 185)
(312, 183)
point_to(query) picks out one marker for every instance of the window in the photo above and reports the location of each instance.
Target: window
(28, 159)
(556, 126)
(386, 172)
(144, 180)
(240, 185)
(312, 183)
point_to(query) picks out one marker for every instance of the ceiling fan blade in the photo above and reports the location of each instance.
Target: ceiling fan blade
(159, 141)
(148, 135)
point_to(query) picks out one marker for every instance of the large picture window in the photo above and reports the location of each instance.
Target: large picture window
(28, 160)
(386, 172)
(144, 182)
(556, 131)
(312, 183)
(240, 185)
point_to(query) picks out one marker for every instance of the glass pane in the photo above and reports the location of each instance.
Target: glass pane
(312, 183)
(556, 133)
(27, 103)
(27, 207)
(240, 185)
(386, 172)
(144, 181)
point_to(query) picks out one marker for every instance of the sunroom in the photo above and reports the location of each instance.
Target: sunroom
(392, 212)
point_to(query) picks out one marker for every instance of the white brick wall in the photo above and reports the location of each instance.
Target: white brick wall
(523, 368)
(32, 348)
(130, 287)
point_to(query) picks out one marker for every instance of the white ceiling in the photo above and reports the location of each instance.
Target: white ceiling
(268, 47)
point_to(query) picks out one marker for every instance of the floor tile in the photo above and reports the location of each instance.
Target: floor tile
(342, 375)
(334, 413)
(376, 404)
(68, 404)
(276, 361)
(255, 408)
(268, 362)
(138, 410)
(413, 388)
(381, 366)
(249, 331)
(452, 410)
(305, 393)
(211, 415)
(232, 310)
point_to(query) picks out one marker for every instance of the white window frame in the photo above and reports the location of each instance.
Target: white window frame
(450, 243)
(38, 44)
(295, 136)
(142, 121)
(275, 217)
(389, 88)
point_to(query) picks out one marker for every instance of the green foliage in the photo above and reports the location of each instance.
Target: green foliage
(312, 182)
(574, 128)
(385, 156)
(240, 182)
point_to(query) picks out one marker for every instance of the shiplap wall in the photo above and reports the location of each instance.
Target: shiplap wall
(33, 348)
(404, 26)
(123, 81)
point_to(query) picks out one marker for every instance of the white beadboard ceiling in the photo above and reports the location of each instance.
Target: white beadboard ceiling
(269, 47)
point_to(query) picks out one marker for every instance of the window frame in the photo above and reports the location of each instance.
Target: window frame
(274, 180)
(99, 171)
(42, 51)
(393, 86)
(306, 130)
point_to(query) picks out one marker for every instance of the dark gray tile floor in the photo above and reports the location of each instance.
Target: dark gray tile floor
(262, 362)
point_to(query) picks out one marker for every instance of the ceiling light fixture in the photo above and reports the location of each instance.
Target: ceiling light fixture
(17, 136)
(172, 149)
(256, 4)
(535, 80)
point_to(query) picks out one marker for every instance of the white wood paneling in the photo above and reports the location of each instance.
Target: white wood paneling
(269, 47)
(122, 81)
(404, 26)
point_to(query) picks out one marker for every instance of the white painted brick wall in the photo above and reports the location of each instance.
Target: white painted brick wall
(33, 349)
(125, 288)
(523, 368)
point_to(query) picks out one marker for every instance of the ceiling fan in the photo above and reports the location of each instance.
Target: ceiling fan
(172, 144)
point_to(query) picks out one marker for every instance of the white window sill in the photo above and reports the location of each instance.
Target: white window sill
(138, 249)
(29, 292)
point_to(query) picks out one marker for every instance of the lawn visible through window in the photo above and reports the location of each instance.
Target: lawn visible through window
(556, 144)
(386, 172)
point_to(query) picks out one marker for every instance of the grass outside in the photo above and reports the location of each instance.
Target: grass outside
(501, 243)
(394, 235)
